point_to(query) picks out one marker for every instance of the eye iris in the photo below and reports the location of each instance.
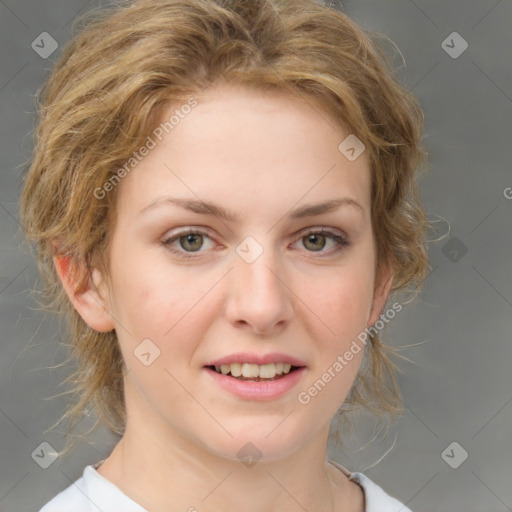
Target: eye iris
(315, 237)
(191, 237)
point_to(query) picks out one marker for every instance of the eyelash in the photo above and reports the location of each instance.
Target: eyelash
(341, 241)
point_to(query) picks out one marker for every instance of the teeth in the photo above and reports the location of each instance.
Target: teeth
(236, 369)
(267, 371)
(247, 370)
(250, 370)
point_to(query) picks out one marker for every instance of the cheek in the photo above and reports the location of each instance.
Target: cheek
(341, 300)
(343, 305)
(160, 302)
(143, 294)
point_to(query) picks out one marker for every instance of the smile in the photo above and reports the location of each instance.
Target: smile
(248, 371)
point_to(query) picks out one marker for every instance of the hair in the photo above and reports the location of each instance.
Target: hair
(104, 97)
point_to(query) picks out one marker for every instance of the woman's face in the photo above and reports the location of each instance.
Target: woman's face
(192, 289)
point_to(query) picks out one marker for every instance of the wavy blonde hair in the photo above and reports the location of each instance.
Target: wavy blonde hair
(104, 97)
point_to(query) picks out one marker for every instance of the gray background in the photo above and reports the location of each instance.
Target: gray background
(457, 387)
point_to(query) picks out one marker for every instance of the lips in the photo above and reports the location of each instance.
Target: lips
(257, 388)
(256, 376)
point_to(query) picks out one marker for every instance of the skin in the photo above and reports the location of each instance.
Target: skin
(260, 155)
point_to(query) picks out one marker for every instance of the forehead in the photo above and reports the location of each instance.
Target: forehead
(247, 147)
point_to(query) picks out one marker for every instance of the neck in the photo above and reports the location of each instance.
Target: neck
(162, 470)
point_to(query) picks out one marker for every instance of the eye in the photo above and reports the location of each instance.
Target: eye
(190, 240)
(316, 240)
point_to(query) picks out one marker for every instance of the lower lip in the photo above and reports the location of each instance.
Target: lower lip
(258, 390)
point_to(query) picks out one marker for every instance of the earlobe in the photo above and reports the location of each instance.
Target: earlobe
(381, 295)
(91, 300)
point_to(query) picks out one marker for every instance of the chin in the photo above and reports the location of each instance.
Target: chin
(270, 442)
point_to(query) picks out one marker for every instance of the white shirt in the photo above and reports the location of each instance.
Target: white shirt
(94, 493)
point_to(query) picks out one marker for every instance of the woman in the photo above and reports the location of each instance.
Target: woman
(223, 199)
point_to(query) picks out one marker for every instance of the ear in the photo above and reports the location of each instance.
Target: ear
(381, 294)
(91, 300)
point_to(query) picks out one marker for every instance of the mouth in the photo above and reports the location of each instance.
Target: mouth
(255, 372)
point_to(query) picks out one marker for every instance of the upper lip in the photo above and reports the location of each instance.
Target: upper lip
(245, 357)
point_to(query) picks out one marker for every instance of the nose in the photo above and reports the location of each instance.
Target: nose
(259, 298)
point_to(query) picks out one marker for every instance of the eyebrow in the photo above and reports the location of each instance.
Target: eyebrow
(209, 208)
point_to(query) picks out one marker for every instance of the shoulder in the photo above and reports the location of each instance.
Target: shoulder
(73, 498)
(376, 499)
(91, 493)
